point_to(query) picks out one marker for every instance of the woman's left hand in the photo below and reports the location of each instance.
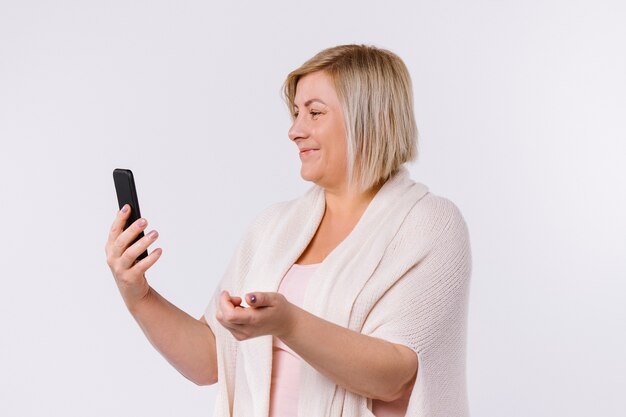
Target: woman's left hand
(269, 314)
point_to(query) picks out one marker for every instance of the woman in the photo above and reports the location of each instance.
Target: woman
(350, 300)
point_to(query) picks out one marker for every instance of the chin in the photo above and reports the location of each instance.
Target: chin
(309, 175)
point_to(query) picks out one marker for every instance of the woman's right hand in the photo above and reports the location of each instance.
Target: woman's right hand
(129, 273)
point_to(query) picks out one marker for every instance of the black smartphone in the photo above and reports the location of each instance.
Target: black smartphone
(127, 194)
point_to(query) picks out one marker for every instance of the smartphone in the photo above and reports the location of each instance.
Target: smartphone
(127, 194)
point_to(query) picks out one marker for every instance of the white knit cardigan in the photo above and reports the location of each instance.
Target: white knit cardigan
(402, 275)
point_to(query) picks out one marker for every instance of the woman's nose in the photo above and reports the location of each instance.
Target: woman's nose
(297, 130)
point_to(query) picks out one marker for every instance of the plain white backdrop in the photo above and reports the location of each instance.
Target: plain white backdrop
(521, 110)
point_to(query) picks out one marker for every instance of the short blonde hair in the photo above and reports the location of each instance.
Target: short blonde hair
(376, 94)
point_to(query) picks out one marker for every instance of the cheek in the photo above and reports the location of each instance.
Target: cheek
(341, 138)
(333, 146)
(338, 152)
(333, 158)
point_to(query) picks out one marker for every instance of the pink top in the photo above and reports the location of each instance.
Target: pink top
(286, 362)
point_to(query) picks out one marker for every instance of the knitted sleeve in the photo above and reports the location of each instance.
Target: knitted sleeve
(426, 310)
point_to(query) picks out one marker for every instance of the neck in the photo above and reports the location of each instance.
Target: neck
(342, 204)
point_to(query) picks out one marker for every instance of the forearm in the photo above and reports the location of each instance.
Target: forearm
(186, 343)
(366, 365)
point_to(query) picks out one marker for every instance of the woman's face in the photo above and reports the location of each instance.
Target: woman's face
(319, 126)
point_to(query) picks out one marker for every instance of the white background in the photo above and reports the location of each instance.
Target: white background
(521, 111)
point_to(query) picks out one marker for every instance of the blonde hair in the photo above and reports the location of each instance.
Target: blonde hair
(375, 91)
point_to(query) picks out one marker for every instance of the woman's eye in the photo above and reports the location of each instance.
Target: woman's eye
(313, 113)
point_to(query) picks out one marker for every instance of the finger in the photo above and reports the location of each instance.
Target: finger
(225, 304)
(232, 327)
(235, 301)
(118, 224)
(221, 318)
(238, 331)
(143, 265)
(120, 220)
(231, 314)
(125, 238)
(131, 254)
(260, 299)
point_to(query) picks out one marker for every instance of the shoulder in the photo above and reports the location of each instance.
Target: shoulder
(261, 221)
(270, 212)
(436, 222)
(275, 211)
(279, 211)
(269, 216)
(440, 217)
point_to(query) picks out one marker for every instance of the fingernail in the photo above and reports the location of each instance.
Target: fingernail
(252, 298)
(152, 234)
(141, 222)
(125, 208)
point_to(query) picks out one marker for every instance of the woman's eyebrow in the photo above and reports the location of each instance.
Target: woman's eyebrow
(311, 101)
